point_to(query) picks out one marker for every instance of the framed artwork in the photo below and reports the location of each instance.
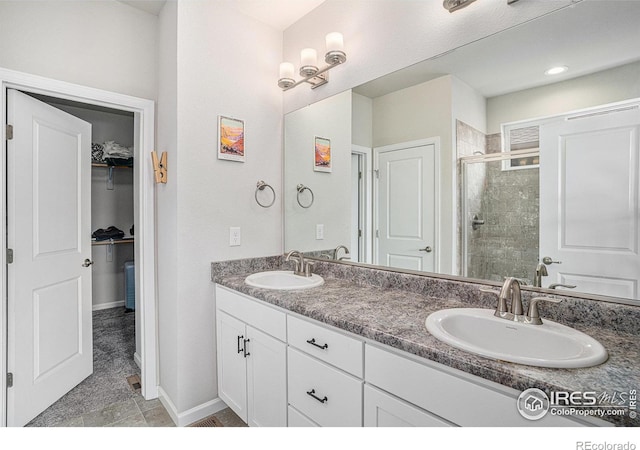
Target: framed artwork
(322, 160)
(230, 139)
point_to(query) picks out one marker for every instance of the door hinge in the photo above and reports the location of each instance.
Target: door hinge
(9, 256)
(359, 233)
(9, 132)
(377, 233)
(377, 172)
(9, 380)
(359, 175)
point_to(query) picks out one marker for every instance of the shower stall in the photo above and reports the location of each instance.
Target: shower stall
(499, 226)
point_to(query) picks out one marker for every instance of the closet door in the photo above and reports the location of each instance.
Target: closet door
(49, 229)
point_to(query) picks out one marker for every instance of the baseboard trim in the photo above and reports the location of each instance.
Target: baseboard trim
(137, 360)
(182, 419)
(100, 306)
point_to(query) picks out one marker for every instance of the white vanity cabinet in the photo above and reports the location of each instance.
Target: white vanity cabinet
(252, 359)
(276, 368)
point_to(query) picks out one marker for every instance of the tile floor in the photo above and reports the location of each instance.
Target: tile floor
(105, 398)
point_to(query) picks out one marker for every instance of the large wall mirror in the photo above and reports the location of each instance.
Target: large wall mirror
(478, 164)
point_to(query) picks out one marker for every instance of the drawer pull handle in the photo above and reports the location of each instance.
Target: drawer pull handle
(312, 341)
(312, 393)
(239, 339)
(244, 347)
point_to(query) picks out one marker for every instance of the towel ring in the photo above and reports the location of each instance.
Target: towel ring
(260, 187)
(301, 188)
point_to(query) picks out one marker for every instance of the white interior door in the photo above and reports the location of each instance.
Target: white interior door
(589, 202)
(405, 206)
(49, 282)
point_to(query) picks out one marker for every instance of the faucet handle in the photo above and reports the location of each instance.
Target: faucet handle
(533, 315)
(308, 266)
(490, 291)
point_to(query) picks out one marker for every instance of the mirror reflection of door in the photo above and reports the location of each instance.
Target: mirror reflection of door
(404, 202)
(589, 170)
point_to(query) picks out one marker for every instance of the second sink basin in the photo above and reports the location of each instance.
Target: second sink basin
(283, 280)
(551, 344)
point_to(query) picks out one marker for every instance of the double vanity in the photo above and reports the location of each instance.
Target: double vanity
(373, 347)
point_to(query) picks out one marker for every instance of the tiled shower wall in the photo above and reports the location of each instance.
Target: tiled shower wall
(508, 202)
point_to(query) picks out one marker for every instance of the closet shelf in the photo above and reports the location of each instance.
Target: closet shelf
(107, 165)
(114, 241)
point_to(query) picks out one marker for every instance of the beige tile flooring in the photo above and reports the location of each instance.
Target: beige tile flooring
(138, 412)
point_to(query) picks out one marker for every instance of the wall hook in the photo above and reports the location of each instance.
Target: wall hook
(159, 166)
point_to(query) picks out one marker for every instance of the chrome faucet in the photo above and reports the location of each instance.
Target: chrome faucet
(511, 291)
(541, 271)
(347, 255)
(302, 268)
(298, 259)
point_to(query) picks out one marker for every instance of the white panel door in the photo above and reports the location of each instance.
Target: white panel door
(589, 202)
(49, 228)
(266, 380)
(405, 206)
(232, 366)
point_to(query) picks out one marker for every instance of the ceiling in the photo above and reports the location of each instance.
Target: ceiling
(279, 14)
(588, 37)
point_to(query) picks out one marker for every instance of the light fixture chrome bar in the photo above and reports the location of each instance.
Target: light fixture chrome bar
(454, 5)
(317, 79)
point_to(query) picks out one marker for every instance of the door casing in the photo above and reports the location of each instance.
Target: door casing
(144, 211)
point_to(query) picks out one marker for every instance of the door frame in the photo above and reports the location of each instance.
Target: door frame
(144, 212)
(435, 141)
(366, 209)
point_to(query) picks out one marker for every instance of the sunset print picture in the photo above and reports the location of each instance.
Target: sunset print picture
(231, 139)
(322, 155)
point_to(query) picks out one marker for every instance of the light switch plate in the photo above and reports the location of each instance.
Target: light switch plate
(319, 232)
(234, 236)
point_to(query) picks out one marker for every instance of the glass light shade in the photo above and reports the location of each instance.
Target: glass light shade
(335, 42)
(308, 57)
(286, 70)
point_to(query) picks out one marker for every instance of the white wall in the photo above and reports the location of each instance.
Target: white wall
(331, 119)
(609, 86)
(167, 203)
(225, 66)
(468, 105)
(386, 35)
(361, 120)
(102, 44)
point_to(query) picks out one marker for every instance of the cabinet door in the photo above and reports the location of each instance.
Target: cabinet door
(232, 366)
(384, 410)
(266, 380)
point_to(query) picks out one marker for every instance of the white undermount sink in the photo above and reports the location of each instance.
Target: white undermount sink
(548, 345)
(283, 280)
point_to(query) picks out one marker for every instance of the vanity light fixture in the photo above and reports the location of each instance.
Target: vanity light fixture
(556, 70)
(309, 69)
(454, 5)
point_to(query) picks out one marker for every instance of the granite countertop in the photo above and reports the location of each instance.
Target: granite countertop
(396, 317)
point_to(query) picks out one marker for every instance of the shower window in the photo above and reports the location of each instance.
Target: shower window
(519, 137)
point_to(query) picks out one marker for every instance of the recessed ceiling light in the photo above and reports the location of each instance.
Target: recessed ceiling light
(556, 70)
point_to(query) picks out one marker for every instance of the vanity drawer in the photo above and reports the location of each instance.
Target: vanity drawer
(297, 419)
(343, 393)
(252, 312)
(327, 345)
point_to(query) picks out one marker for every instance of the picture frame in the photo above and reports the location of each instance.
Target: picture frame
(322, 154)
(231, 139)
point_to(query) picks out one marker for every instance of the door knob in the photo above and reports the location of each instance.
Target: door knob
(547, 260)
(87, 263)
(426, 249)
